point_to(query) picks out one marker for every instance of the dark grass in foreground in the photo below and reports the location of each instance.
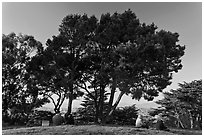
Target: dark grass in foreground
(94, 130)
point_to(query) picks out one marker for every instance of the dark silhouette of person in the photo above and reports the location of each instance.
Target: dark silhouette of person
(69, 119)
(160, 124)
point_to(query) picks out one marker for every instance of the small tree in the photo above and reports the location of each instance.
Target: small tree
(89, 105)
(185, 103)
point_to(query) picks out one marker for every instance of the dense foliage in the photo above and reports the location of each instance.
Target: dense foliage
(183, 106)
(131, 58)
(125, 115)
(116, 53)
(19, 91)
(35, 118)
(121, 116)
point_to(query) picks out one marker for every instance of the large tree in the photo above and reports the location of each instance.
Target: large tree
(117, 53)
(64, 60)
(17, 90)
(132, 57)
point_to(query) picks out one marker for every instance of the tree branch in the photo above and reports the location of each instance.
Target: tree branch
(116, 103)
(85, 88)
(53, 101)
(63, 98)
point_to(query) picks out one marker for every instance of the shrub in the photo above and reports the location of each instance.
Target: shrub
(36, 117)
(84, 115)
(5, 117)
(121, 116)
(125, 115)
(15, 116)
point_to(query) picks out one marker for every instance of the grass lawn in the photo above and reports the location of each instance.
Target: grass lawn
(93, 130)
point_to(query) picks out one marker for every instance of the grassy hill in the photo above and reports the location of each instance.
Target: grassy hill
(93, 130)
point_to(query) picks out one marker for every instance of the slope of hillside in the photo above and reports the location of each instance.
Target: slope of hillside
(92, 130)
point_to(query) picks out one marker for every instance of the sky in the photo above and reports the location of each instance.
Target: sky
(43, 19)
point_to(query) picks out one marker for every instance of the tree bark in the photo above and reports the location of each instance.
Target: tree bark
(71, 87)
(113, 88)
(199, 121)
(179, 120)
(69, 109)
(101, 103)
(116, 103)
(191, 120)
(96, 120)
(96, 114)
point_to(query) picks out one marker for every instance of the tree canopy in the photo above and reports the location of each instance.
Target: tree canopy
(116, 53)
(18, 88)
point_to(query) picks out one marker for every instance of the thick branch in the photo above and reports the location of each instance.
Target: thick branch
(116, 103)
(179, 120)
(53, 101)
(58, 100)
(113, 88)
(85, 88)
(62, 100)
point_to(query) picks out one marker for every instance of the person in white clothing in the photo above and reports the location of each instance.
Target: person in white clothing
(139, 121)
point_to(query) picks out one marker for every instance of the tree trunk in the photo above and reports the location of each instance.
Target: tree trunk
(179, 120)
(199, 119)
(191, 120)
(113, 88)
(180, 124)
(69, 110)
(70, 104)
(96, 120)
(71, 87)
(56, 109)
(101, 103)
(198, 122)
(116, 103)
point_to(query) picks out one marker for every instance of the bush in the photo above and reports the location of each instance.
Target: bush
(84, 116)
(125, 115)
(14, 117)
(36, 117)
(121, 116)
(5, 117)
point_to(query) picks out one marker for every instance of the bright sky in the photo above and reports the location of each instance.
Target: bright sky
(42, 20)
